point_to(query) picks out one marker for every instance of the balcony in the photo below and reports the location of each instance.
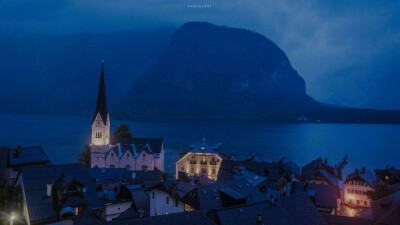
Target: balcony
(213, 163)
(204, 162)
(193, 161)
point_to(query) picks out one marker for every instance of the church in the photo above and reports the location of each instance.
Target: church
(111, 152)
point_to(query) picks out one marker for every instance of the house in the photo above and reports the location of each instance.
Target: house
(183, 218)
(292, 209)
(131, 153)
(24, 156)
(223, 194)
(386, 211)
(138, 197)
(346, 220)
(54, 193)
(165, 198)
(200, 159)
(279, 175)
(326, 197)
(356, 186)
(389, 176)
(318, 171)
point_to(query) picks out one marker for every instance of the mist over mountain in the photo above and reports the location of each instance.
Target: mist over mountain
(215, 72)
(60, 73)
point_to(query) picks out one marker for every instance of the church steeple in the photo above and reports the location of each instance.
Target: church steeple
(101, 118)
(101, 106)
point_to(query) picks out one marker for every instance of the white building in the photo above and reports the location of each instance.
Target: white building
(165, 198)
(131, 153)
(356, 186)
(201, 159)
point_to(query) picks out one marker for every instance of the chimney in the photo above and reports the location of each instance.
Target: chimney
(356, 171)
(259, 218)
(17, 151)
(49, 186)
(363, 170)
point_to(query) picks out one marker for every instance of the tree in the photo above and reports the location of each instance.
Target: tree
(379, 191)
(122, 131)
(341, 165)
(84, 157)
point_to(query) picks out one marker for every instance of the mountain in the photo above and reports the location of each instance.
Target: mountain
(210, 71)
(60, 73)
(216, 72)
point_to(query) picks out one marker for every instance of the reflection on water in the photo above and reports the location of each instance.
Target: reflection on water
(371, 146)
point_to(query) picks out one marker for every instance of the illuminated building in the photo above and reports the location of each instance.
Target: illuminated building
(356, 186)
(201, 159)
(130, 153)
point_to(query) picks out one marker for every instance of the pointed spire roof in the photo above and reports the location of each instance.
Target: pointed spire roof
(101, 106)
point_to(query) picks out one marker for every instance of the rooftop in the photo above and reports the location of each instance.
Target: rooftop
(27, 156)
(35, 180)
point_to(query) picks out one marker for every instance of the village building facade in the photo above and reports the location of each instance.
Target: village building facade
(201, 159)
(356, 186)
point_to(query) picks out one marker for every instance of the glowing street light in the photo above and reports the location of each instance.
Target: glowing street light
(12, 218)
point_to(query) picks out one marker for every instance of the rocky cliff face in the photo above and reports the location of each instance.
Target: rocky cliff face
(211, 71)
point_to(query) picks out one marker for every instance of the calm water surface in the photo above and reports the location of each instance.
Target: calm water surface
(63, 137)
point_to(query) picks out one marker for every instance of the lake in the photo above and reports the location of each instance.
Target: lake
(371, 146)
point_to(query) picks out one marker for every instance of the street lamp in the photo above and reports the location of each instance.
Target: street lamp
(12, 218)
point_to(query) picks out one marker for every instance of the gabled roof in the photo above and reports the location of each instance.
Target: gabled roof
(386, 210)
(326, 195)
(27, 156)
(102, 174)
(319, 169)
(247, 214)
(183, 218)
(140, 200)
(35, 180)
(137, 145)
(88, 218)
(362, 174)
(207, 197)
(301, 208)
(101, 106)
(253, 178)
(345, 220)
(149, 178)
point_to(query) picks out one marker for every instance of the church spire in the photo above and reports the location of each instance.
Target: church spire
(101, 106)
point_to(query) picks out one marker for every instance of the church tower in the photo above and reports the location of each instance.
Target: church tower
(101, 118)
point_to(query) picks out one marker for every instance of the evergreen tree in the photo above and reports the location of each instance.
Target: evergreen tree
(122, 131)
(379, 191)
(84, 157)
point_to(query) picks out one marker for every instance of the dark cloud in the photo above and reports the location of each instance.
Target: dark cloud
(347, 51)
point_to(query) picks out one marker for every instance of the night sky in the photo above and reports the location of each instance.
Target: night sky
(347, 51)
